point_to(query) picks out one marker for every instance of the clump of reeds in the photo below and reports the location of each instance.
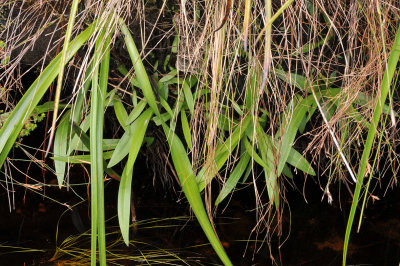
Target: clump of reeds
(250, 78)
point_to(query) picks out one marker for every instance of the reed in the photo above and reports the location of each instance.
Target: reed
(242, 92)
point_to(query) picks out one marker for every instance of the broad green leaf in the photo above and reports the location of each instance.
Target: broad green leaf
(363, 99)
(85, 158)
(124, 144)
(297, 160)
(76, 143)
(124, 192)
(108, 144)
(222, 153)
(186, 129)
(188, 182)
(296, 80)
(226, 123)
(289, 128)
(234, 177)
(77, 109)
(98, 94)
(266, 149)
(85, 141)
(49, 106)
(121, 113)
(61, 147)
(10, 130)
(305, 120)
(167, 108)
(64, 60)
(188, 96)
(134, 83)
(253, 154)
(158, 120)
(141, 74)
(136, 112)
(169, 76)
(286, 171)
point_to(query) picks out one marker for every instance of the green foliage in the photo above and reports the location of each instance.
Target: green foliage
(381, 99)
(245, 136)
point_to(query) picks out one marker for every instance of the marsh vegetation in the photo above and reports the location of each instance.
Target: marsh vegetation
(219, 107)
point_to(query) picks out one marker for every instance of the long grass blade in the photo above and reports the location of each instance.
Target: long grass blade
(10, 130)
(385, 86)
(124, 192)
(67, 39)
(234, 177)
(186, 129)
(188, 182)
(140, 71)
(98, 94)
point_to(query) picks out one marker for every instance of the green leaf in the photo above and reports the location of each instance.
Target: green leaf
(186, 129)
(296, 80)
(363, 99)
(234, 177)
(141, 74)
(385, 86)
(98, 94)
(124, 192)
(188, 96)
(121, 113)
(85, 158)
(223, 151)
(188, 182)
(286, 171)
(289, 128)
(136, 112)
(124, 143)
(10, 130)
(61, 147)
(267, 154)
(253, 154)
(169, 76)
(297, 160)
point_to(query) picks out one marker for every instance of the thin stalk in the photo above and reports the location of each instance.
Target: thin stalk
(387, 78)
(68, 34)
(99, 90)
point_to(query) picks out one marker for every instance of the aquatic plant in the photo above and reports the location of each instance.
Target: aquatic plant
(250, 78)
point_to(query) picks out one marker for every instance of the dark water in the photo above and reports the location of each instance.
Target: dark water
(312, 232)
(315, 237)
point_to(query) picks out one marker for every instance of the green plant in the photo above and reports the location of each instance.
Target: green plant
(253, 87)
